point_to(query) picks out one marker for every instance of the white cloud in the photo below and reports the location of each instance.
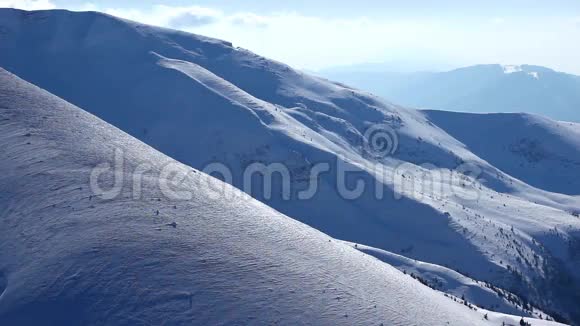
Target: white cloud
(88, 6)
(190, 16)
(170, 16)
(249, 19)
(27, 4)
(498, 20)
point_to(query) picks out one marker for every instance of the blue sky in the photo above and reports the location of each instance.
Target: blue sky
(320, 34)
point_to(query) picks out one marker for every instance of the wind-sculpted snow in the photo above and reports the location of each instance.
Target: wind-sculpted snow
(69, 257)
(431, 195)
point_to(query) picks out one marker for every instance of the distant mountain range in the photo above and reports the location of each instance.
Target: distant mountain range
(480, 88)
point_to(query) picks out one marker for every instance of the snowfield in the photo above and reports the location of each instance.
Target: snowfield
(68, 257)
(202, 101)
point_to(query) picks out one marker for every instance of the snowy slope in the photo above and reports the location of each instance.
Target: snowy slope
(67, 257)
(528, 147)
(449, 281)
(203, 101)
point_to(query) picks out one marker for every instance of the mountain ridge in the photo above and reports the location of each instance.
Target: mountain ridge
(73, 257)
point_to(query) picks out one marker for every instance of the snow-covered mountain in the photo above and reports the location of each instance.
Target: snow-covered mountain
(482, 88)
(63, 249)
(202, 101)
(68, 257)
